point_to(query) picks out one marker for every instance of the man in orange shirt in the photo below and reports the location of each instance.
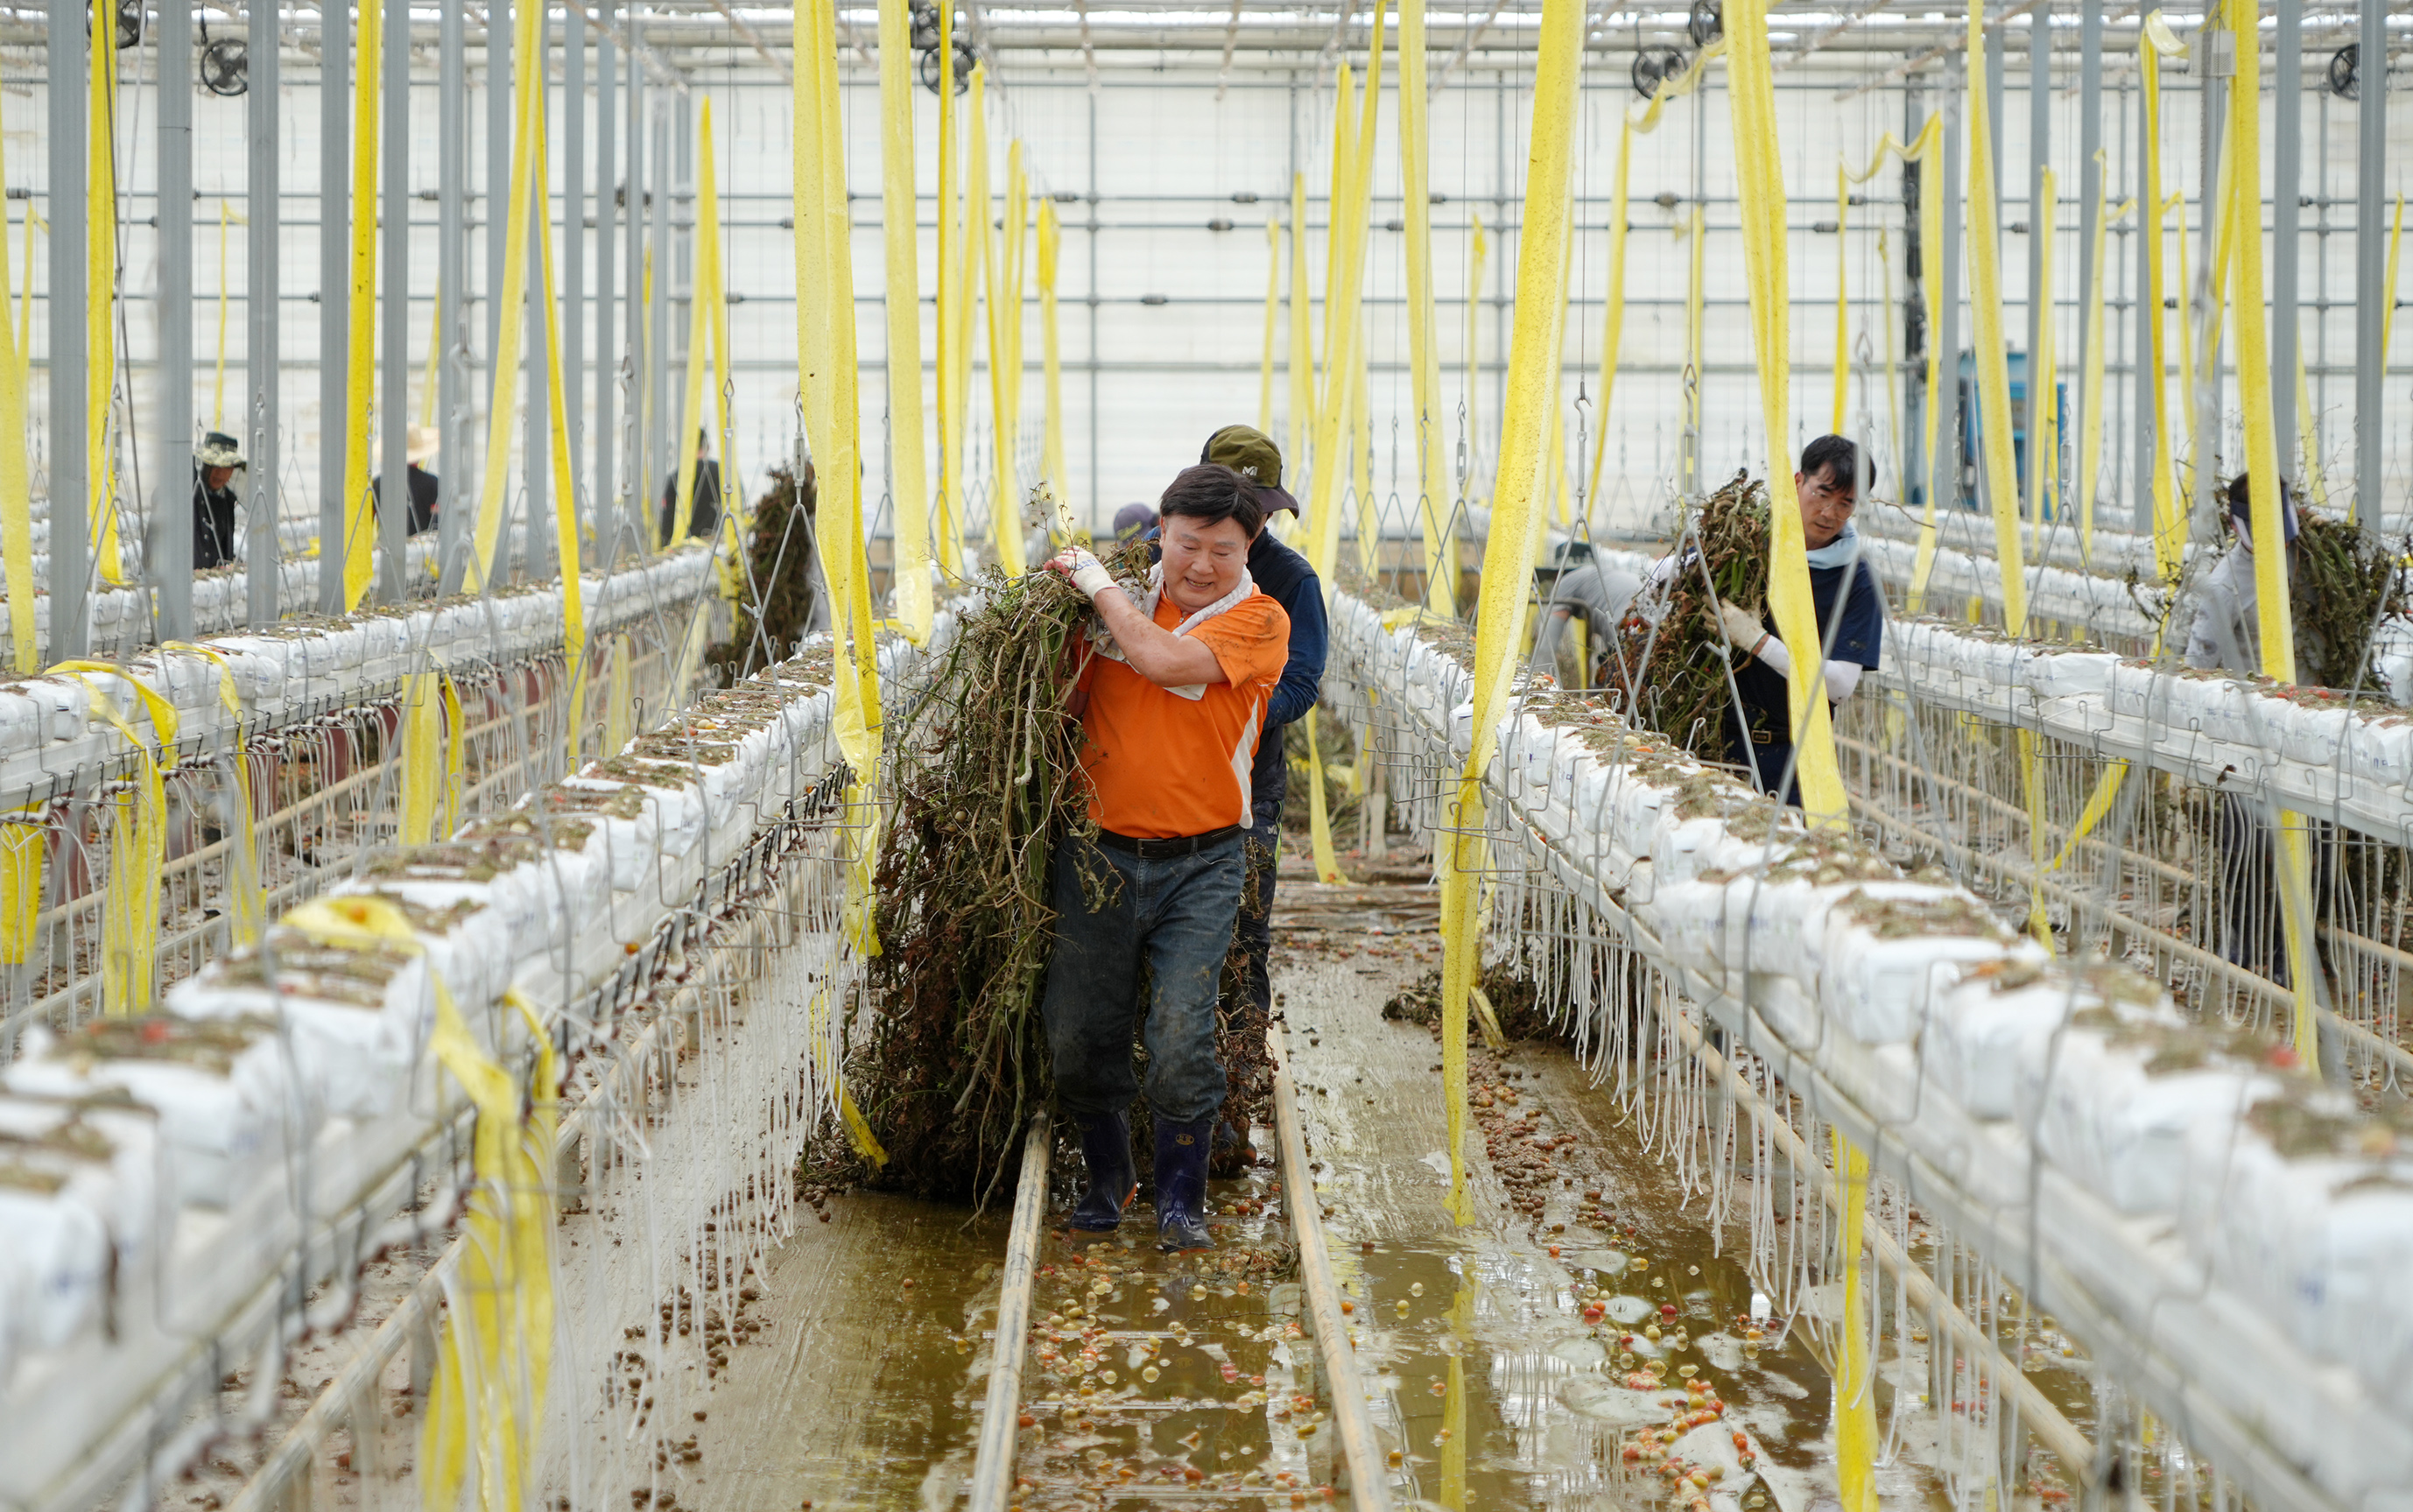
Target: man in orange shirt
(1171, 705)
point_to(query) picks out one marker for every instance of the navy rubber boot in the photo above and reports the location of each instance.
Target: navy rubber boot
(1105, 1148)
(1182, 1185)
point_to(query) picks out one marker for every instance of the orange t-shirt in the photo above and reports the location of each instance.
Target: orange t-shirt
(1161, 766)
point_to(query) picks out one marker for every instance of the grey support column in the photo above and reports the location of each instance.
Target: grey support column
(2149, 421)
(334, 292)
(1944, 466)
(69, 470)
(498, 178)
(2287, 161)
(630, 524)
(261, 353)
(573, 245)
(2370, 264)
(393, 312)
(171, 501)
(460, 491)
(2090, 191)
(607, 379)
(2040, 469)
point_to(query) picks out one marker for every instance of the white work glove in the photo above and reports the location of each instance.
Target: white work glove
(1740, 627)
(1087, 574)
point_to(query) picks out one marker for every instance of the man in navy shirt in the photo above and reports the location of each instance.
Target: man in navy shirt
(1851, 620)
(1282, 574)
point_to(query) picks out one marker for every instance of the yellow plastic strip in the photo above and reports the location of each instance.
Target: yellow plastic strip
(23, 843)
(129, 920)
(1533, 387)
(1001, 251)
(1842, 298)
(565, 476)
(1273, 309)
(1051, 355)
(493, 501)
(698, 336)
(100, 295)
(16, 486)
(1327, 865)
(2090, 416)
(1612, 321)
(247, 903)
(949, 403)
(2272, 606)
(420, 706)
(1856, 1404)
(360, 380)
(736, 518)
(1324, 481)
(1993, 356)
(1752, 97)
(910, 508)
(1434, 492)
(2155, 42)
(1478, 247)
(1300, 379)
(2044, 380)
(456, 782)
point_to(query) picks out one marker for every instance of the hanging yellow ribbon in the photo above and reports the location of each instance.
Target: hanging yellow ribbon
(909, 465)
(1327, 865)
(420, 740)
(1344, 280)
(2044, 380)
(129, 919)
(247, 903)
(1612, 320)
(494, 501)
(100, 300)
(456, 782)
(359, 519)
(1433, 483)
(1051, 237)
(1508, 569)
(2272, 593)
(16, 487)
(2090, 418)
(2156, 42)
(1001, 266)
(698, 339)
(1926, 150)
(1854, 1380)
(24, 842)
(565, 477)
(951, 257)
(1299, 381)
(1273, 310)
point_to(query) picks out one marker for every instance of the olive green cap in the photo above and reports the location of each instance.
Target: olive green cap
(1252, 454)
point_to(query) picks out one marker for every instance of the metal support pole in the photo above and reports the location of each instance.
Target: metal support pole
(1918, 472)
(69, 471)
(658, 456)
(2042, 470)
(682, 312)
(498, 179)
(335, 290)
(607, 379)
(394, 410)
(171, 503)
(453, 293)
(2369, 262)
(2090, 190)
(1944, 466)
(573, 245)
(2287, 164)
(536, 540)
(263, 285)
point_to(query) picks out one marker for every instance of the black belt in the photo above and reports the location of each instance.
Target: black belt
(1163, 850)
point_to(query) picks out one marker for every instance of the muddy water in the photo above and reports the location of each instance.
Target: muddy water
(1582, 1345)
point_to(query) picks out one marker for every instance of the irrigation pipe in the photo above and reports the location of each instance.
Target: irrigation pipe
(993, 1468)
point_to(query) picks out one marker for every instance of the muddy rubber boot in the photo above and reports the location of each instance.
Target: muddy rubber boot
(1105, 1148)
(1182, 1185)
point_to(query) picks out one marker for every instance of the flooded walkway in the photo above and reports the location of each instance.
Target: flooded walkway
(1582, 1345)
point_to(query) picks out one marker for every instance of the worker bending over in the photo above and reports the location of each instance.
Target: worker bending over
(1171, 707)
(1850, 613)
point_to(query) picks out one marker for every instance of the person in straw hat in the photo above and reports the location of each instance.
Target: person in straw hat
(214, 469)
(427, 492)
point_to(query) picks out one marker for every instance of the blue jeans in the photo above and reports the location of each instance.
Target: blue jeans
(1175, 916)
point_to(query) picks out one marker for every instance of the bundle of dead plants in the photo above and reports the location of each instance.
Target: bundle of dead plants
(775, 598)
(985, 781)
(1673, 665)
(2344, 580)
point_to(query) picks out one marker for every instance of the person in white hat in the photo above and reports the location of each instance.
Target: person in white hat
(426, 489)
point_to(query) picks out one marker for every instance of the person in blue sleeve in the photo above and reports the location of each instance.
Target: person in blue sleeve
(1851, 620)
(1281, 573)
